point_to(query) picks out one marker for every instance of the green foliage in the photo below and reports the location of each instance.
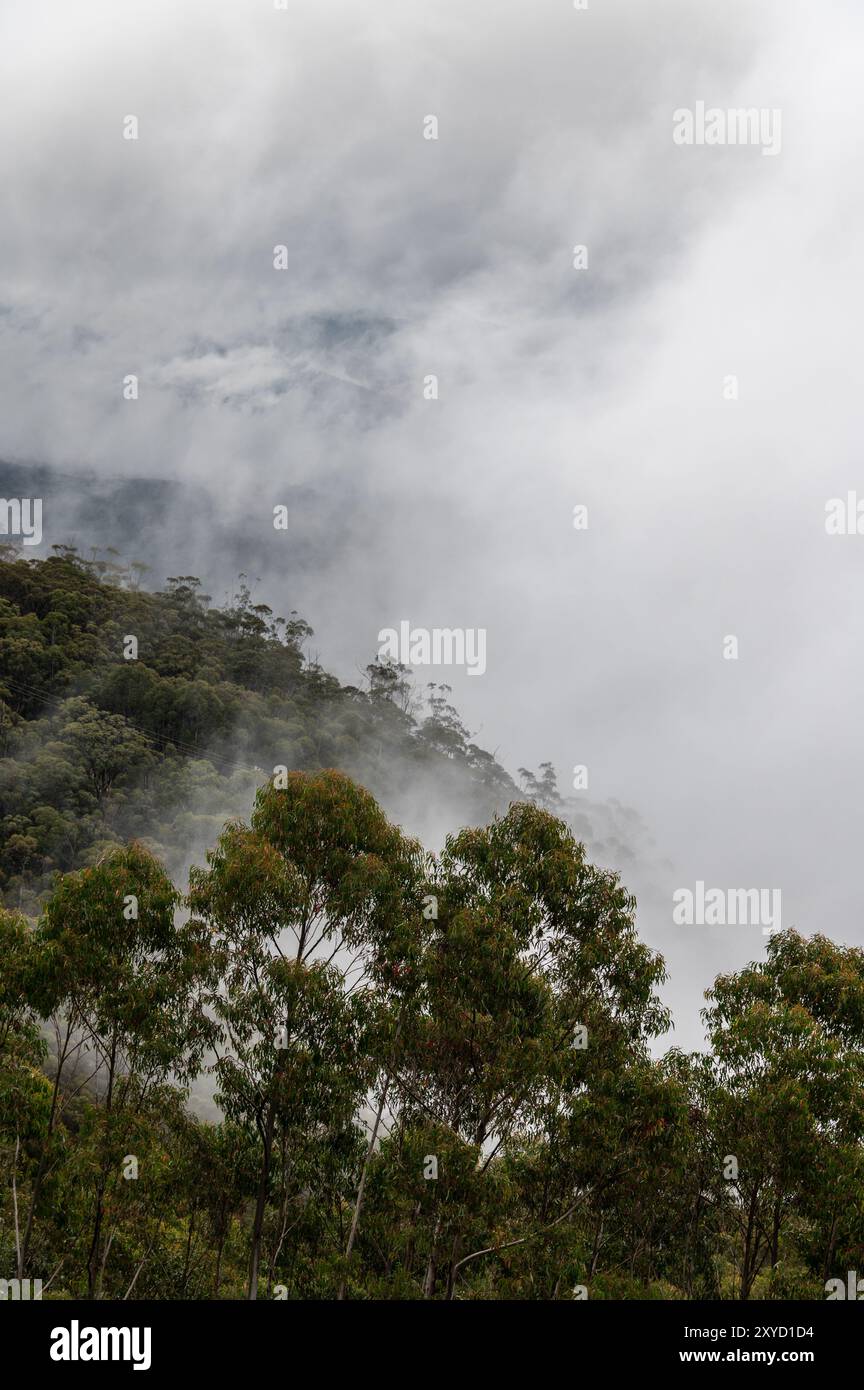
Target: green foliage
(96, 749)
(341, 1067)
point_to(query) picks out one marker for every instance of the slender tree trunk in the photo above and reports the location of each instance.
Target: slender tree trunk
(431, 1267)
(361, 1187)
(775, 1234)
(454, 1260)
(19, 1262)
(283, 1217)
(751, 1244)
(188, 1259)
(260, 1204)
(94, 1268)
(409, 1247)
(829, 1252)
(217, 1278)
(43, 1157)
(692, 1243)
(595, 1253)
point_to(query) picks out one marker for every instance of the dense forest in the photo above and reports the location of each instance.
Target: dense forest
(257, 1042)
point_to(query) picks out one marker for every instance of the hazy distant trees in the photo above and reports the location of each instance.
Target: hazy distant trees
(102, 741)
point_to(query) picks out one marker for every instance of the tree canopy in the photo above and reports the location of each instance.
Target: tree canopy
(325, 1063)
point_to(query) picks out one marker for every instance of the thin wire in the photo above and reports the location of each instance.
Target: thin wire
(23, 688)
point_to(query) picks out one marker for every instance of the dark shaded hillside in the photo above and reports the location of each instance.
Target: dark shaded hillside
(97, 748)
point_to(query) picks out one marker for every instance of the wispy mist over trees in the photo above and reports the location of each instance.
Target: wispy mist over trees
(97, 747)
(436, 1076)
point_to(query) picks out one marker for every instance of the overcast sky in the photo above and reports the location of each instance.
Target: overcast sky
(602, 386)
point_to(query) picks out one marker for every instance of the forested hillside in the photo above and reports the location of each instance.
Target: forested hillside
(97, 747)
(434, 1073)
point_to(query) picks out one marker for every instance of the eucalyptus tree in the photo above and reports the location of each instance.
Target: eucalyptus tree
(127, 981)
(23, 1090)
(312, 907)
(788, 1040)
(535, 990)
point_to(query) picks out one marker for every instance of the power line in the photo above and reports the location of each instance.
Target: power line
(191, 750)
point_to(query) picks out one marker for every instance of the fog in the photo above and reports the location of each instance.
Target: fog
(603, 387)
